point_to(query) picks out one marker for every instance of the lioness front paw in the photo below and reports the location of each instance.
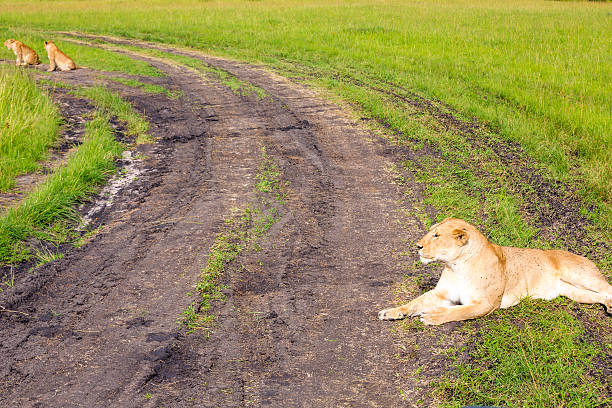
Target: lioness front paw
(391, 314)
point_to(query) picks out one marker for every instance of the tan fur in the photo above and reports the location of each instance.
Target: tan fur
(25, 55)
(57, 58)
(480, 277)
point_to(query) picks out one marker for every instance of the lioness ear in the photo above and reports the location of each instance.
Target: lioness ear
(461, 236)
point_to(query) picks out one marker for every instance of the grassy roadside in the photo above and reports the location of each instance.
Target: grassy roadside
(42, 213)
(242, 232)
(537, 354)
(531, 355)
(29, 125)
(47, 213)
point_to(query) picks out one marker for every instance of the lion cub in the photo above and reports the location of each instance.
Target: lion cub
(58, 58)
(480, 277)
(25, 55)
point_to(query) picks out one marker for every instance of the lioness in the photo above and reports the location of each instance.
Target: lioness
(25, 55)
(480, 277)
(58, 58)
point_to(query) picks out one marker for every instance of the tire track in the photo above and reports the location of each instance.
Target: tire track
(102, 318)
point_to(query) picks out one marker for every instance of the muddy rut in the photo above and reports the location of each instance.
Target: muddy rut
(298, 327)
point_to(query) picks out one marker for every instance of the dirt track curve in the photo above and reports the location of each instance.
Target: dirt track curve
(299, 325)
(98, 328)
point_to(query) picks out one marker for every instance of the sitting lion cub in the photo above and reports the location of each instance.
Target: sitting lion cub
(25, 55)
(58, 58)
(480, 277)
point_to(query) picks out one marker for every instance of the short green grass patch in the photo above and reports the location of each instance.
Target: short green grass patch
(149, 88)
(531, 355)
(111, 103)
(29, 124)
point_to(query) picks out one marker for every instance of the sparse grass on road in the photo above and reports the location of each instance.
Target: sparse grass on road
(149, 88)
(242, 232)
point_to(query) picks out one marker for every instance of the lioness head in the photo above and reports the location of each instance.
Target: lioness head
(9, 43)
(49, 45)
(445, 241)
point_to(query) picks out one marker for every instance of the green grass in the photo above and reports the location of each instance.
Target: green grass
(149, 88)
(517, 65)
(54, 201)
(28, 127)
(530, 355)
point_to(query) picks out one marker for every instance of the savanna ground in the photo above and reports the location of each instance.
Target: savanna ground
(253, 228)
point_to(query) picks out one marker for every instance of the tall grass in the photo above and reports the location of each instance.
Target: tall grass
(54, 200)
(538, 71)
(29, 125)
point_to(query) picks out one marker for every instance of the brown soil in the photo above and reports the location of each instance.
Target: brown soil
(299, 325)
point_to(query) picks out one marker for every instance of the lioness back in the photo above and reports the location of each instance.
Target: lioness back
(539, 273)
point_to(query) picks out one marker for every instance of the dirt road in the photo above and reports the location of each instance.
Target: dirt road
(298, 328)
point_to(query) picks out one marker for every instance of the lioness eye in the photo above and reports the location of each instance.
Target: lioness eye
(436, 235)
